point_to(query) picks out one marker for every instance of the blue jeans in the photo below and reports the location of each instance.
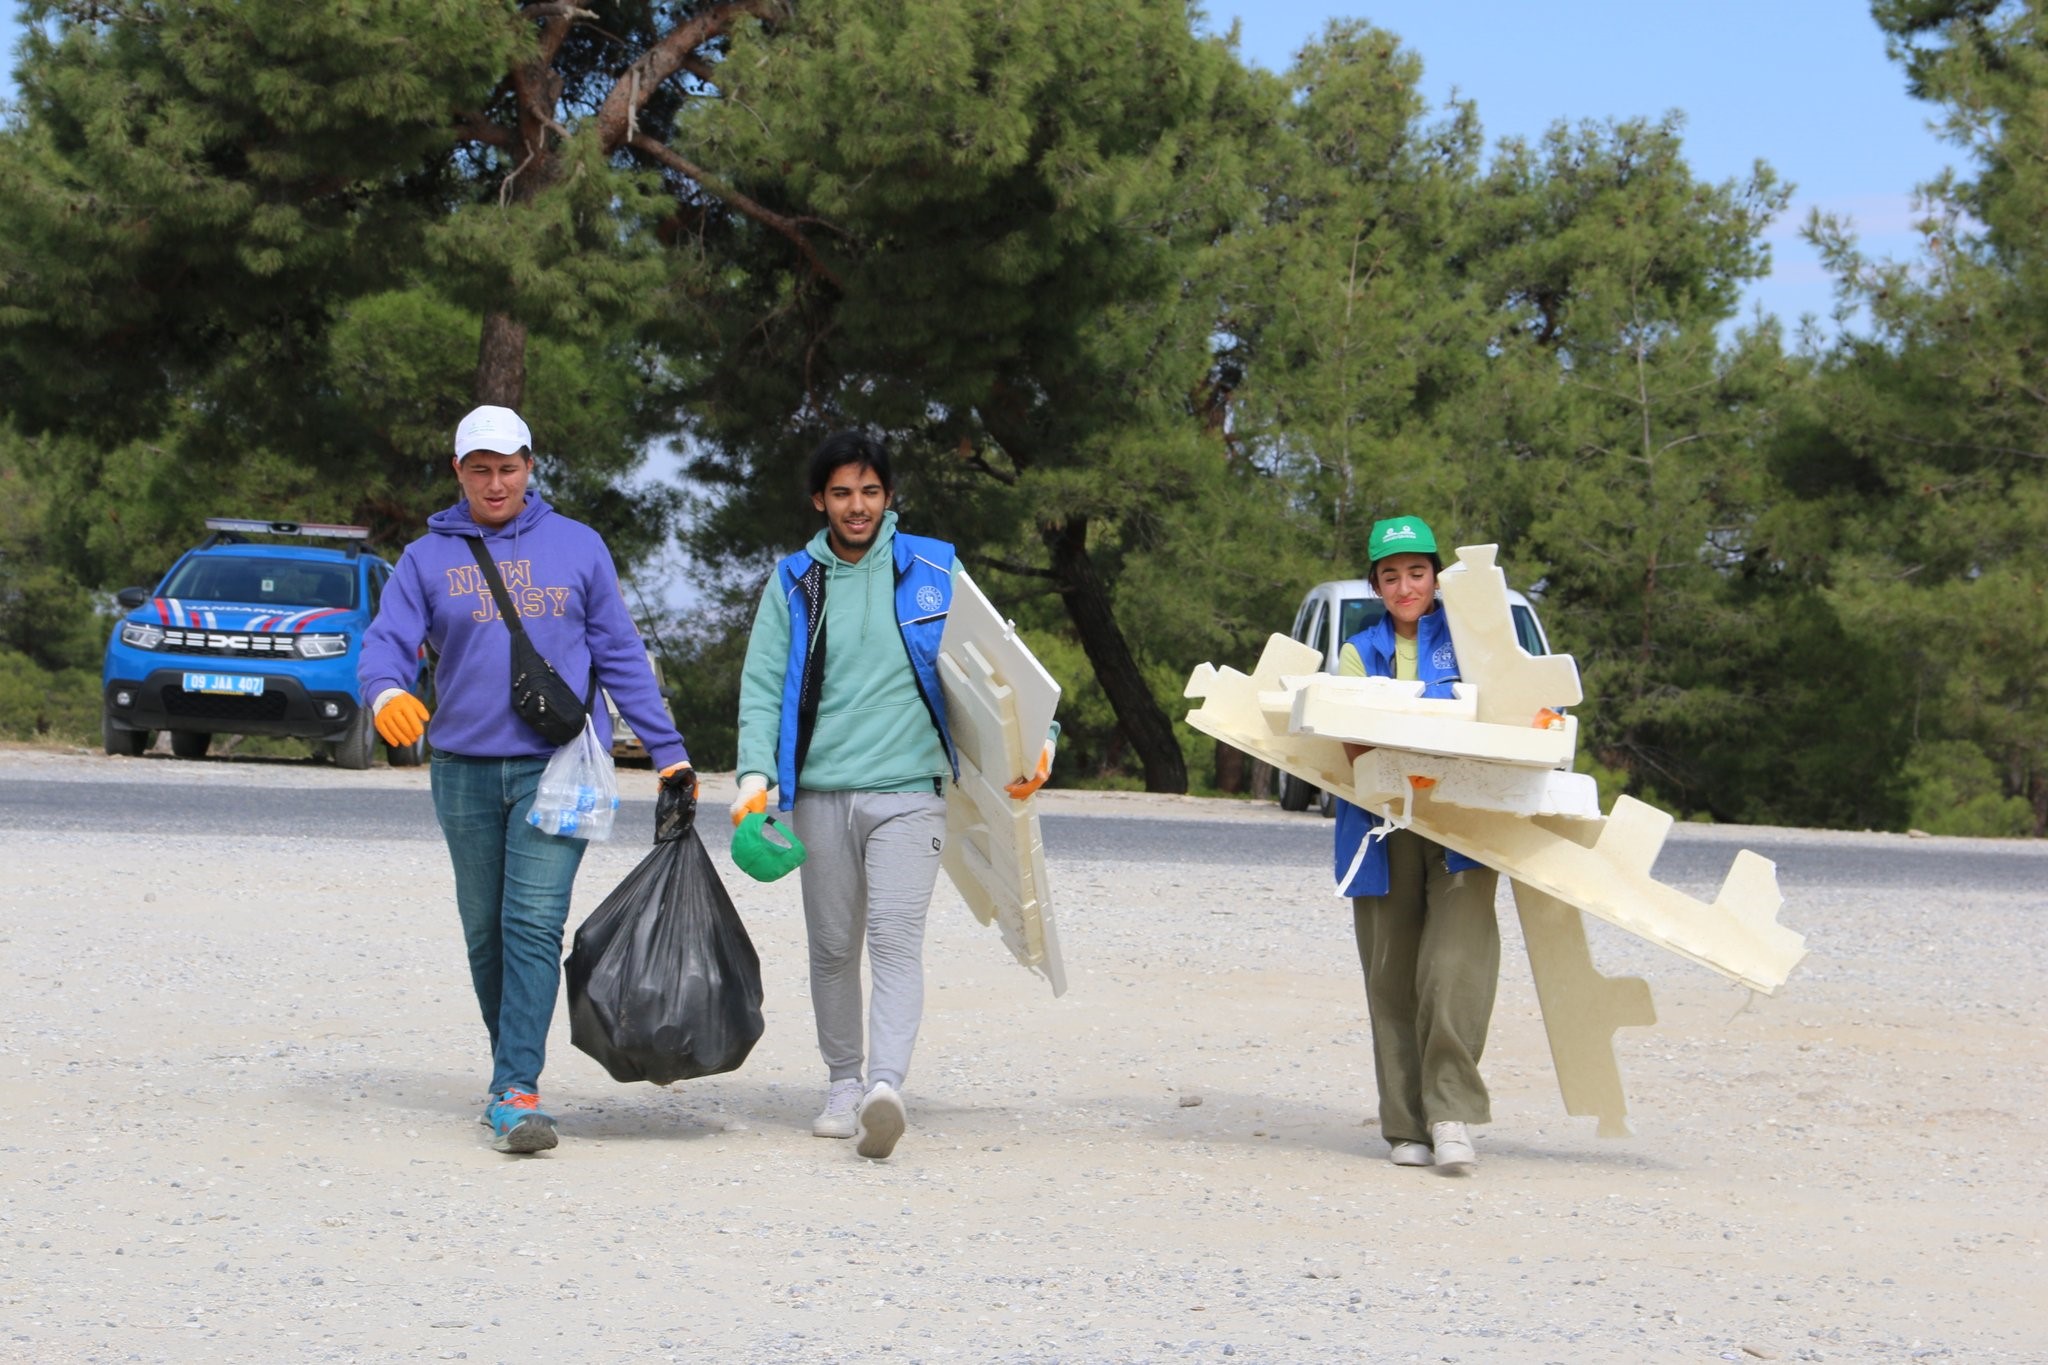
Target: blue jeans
(512, 886)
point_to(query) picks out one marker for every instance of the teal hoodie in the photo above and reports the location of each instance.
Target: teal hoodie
(873, 731)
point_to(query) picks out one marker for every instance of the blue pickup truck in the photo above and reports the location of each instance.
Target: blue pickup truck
(250, 638)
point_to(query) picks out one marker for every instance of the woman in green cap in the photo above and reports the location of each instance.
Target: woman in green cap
(1427, 936)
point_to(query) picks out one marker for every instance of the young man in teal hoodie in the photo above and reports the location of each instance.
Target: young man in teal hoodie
(841, 712)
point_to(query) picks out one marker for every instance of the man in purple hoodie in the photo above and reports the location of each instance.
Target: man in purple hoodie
(512, 881)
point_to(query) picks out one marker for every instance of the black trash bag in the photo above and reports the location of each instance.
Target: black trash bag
(664, 983)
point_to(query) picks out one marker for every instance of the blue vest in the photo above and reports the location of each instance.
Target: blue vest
(1436, 666)
(924, 594)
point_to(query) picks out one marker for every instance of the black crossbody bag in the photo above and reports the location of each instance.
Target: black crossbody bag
(540, 696)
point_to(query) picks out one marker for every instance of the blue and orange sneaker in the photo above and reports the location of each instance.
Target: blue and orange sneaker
(518, 1123)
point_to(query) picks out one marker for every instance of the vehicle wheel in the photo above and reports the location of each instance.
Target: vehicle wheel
(407, 755)
(354, 749)
(191, 743)
(1295, 794)
(119, 739)
(1326, 804)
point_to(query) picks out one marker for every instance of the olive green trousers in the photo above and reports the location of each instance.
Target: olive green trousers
(1430, 948)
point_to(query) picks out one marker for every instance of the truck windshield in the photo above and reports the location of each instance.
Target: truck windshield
(263, 582)
(1357, 614)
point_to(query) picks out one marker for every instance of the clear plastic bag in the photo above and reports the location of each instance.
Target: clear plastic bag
(579, 795)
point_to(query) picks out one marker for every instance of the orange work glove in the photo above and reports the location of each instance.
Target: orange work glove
(682, 775)
(1025, 786)
(401, 719)
(753, 797)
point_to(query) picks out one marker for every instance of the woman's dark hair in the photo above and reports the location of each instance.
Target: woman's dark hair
(849, 447)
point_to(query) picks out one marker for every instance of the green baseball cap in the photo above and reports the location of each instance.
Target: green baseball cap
(765, 849)
(1400, 536)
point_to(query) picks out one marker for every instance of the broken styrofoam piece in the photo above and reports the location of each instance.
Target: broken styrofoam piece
(1581, 1008)
(1513, 684)
(1231, 712)
(972, 618)
(1386, 776)
(1736, 935)
(993, 849)
(997, 879)
(1403, 695)
(1337, 708)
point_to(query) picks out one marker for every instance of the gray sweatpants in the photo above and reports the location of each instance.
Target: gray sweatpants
(870, 861)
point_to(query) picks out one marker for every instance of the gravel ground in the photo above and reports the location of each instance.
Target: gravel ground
(241, 1078)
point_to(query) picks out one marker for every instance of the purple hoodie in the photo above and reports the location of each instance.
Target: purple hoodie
(561, 579)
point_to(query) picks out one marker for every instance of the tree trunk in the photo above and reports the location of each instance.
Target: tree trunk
(1262, 781)
(1138, 715)
(1233, 771)
(537, 93)
(501, 362)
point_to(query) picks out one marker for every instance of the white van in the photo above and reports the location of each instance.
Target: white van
(1333, 612)
(625, 744)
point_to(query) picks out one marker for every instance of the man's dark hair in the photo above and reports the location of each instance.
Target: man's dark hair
(850, 447)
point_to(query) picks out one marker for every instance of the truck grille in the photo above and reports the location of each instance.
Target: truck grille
(210, 706)
(239, 644)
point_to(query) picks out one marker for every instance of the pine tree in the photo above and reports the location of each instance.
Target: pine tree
(1923, 475)
(1009, 202)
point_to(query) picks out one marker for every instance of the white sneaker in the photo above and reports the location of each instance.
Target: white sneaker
(841, 1099)
(1454, 1154)
(1411, 1154)
(881, 1122)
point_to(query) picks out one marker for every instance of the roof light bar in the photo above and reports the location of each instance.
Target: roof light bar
(251, 526)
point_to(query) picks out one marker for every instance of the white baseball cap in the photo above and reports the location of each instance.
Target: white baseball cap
(495, 429)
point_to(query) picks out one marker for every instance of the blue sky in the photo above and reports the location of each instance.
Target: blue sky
(1803, 84)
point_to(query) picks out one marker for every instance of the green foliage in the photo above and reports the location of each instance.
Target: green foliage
(245, 260)
(1626, 446)
(1956, 790)
(1922, 492)
(42, 703)
(1011, 205)
(46, 617)
(1091, 749)
(1350, 309)
(702, 653)
(191, 188)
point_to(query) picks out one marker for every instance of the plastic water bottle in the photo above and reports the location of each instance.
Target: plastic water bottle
(582, 812)
(554, 820)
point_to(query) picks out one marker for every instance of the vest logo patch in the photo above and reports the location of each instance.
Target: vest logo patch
(1444, 657)
(929, 598)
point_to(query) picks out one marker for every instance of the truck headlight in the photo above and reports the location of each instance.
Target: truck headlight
(142, 635)
(322, 646)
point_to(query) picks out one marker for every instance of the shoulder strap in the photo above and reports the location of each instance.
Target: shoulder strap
(497, 585)
(511, 617)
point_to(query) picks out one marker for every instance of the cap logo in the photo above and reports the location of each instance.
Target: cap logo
(1399, 533)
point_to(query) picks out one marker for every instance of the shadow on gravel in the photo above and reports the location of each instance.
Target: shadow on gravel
(1612, 1154)
(1256, 1121)
(653, 1113)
